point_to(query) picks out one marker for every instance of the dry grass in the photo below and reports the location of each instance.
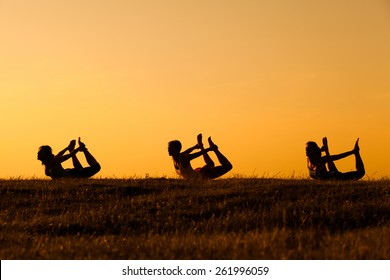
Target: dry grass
(242, 218)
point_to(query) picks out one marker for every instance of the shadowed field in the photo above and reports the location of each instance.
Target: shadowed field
(150, 218)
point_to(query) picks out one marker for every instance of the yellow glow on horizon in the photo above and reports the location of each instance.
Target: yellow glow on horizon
(261, 77)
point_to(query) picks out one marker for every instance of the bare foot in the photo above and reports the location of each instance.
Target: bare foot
(212, 145)
(324, 147)
(356, 149)
(199, 138)
(71, 146)
(81, 145)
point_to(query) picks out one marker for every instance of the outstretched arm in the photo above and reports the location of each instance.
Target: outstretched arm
(343, 155)
(68, 156)
(69, 148)
(190, 150)
(190, 157)
(330, 158)
(61, 153)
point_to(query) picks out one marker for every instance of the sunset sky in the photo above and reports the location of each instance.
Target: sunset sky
(261, 77)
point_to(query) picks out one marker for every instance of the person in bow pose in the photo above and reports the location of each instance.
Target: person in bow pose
(322, 167)
(182, 160)
(54, 169)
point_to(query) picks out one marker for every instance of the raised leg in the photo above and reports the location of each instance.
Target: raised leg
(358, 158)
(209, 162)
(225, 166)
(76, 162)
(360, 171)
(88, 156)
(325, 148)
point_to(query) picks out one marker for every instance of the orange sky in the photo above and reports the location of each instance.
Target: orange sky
(261, 77)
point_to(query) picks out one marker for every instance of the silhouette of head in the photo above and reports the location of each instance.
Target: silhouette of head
(174, 147)
(312, 150)
(44, 152)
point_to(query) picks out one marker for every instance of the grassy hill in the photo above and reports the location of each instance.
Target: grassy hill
(157, 218)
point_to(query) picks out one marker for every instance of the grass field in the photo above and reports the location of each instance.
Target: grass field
(157, 218)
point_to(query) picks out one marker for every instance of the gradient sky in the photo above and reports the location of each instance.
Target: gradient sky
(261, 77)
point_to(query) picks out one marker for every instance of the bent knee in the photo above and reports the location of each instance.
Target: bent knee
(229, 166)
(97, 167)
(360, 174)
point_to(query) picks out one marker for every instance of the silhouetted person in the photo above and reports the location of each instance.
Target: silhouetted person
(317, 163)
(54, 169)
(181, 160)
